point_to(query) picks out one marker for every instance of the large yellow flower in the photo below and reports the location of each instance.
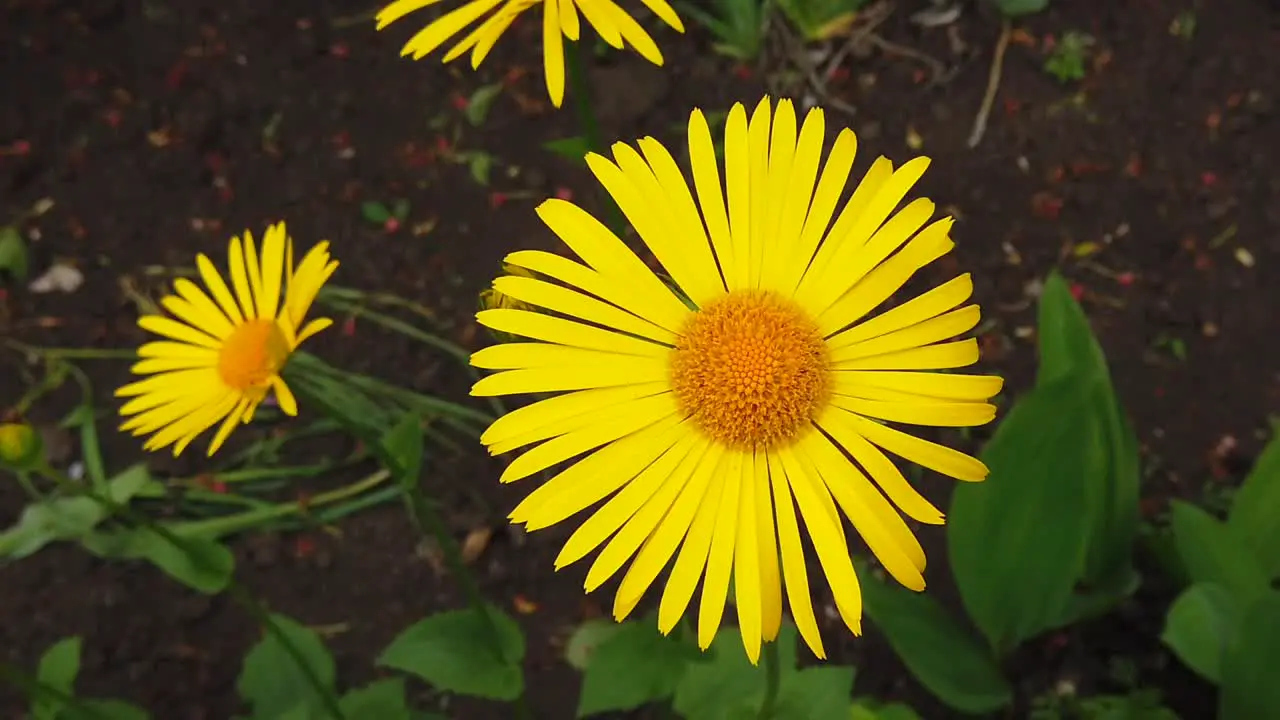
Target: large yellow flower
(223, 354)
(559, 21)
(706, 428)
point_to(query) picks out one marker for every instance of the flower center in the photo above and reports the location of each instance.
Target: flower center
(751, 369)
(252, 354)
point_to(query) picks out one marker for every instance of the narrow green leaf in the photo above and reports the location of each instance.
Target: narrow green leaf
(1068, 348)
(1249, 688)
(381, 699)
(480, 164)
(274, 684)
(59, 666)
(451, 651)
(945, 657)
(634, 666)
(13, 254)
(1254, 516)
(481, 102)
(1213, 553)
(400, 209)
(1017, 541)
(573, 148)
(817, 693)
(374, 212)
(203, 564)
(1200, 624)
(401, 448)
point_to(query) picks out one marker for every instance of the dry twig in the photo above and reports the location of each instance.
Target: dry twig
(993, 85)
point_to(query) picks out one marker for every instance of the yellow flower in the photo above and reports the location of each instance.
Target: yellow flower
(559, 20)
(705, 429)
(223, 354)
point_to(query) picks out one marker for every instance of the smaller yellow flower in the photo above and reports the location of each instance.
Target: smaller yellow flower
(559, 20)
(221, 355)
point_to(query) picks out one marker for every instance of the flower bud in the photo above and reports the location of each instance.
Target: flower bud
(20, 445)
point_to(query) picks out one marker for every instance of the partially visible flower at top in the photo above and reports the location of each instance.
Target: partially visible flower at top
(492, 298)
(559, 21)
(222, 354)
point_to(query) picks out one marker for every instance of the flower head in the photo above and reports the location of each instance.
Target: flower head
(559, 20)
(20, 445)
(704, 429)
(224, 349)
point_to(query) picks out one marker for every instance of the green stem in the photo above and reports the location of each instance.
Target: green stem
(772, 678)
(37, 691)
(28, 487)
(73, 353)
(580, 88)
(238, 592)
(227, 524)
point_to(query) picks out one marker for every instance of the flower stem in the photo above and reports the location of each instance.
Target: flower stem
(38, 691)
(237, 591)
(772, 678)
(580, 88)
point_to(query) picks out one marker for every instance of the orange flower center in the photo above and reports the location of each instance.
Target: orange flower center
(252, 354)
(751, 369)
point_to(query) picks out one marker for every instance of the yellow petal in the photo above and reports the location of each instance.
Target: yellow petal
(638, 415)
(555, 410)
(619, 370)
(568, 302)
(175, 330)
(793, 561)
(674, 199)
(399, 9)
(835, 174)
(553, 51)
(706, 181)
(940, 458)
(797, 192)
(715, 585)
(631, 31)
(240, 278)
(747, 588)
(943, 356)
(693, 556)
(151, 366)
(567, 425)
(872, 516)
(916, 310)
(273, 249)
(600, 19)
(547, 328)
(737, 178)
(919, 385)
(781, 151)
(451, 23)
(838, 424)
(758, 162)
(943, 327)
(770, 580)
(213, 320)
(664, 11)
(839, 234)
(569, 20)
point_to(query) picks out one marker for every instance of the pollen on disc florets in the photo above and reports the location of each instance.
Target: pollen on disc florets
(252, 354)
(751, 369)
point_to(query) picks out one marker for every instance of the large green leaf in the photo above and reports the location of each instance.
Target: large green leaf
(946, 658)
(454, 651)
(1255, 513)
(1017, 541)
(1200, 624)
(273, 683)
(633, 666)
(59, 666)
(1068, 348)
(67, 518)
(115, 710)
(1018, 8)
(1251, 664)
(725, 685)
(380, 700)
(1213, 553)
(817, 693)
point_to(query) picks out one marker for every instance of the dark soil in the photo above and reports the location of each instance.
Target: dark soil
(161, 128)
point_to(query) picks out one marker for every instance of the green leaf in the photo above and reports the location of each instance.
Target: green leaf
(401, 449)
(202, 564)
(1249, 689)
(480, 164)
(481, 101)
(84, 418)
(59, 666)
(13, 254)
(1068, 348)
(634, 666)
(586, 638)
(573, 148)
(382, 699)
(115, 710)
(67, 518)
(820, 19)
(375, 212)
(274, 684)
(1018, 8)
(1017, 541)
(1253, 515)
(1199, 625)
(868, 710)
(1213, 553)
(454, 652)
(818, 693)
(945, 657)
(400, 209)
(724, 685)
